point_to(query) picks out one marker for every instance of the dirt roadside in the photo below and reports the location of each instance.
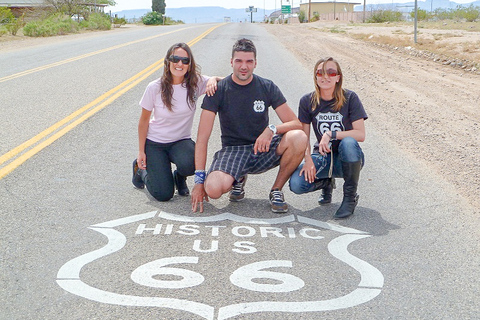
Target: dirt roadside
(430, 109)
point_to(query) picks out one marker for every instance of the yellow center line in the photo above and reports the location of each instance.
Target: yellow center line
(59, 63)
(83, 114)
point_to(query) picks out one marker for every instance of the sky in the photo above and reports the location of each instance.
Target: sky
(234, 4)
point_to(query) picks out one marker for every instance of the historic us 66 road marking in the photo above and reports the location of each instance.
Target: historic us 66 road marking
(247, 258)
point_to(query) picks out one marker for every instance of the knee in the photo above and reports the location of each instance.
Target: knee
(162, 196)
(213, 190)
(350, 150)
(297, 183)
(297, 140)
(159, 192)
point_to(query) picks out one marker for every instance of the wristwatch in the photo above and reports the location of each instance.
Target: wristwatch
(273, 128)
(334, 136)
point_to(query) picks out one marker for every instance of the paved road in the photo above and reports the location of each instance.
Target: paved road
(78, 242)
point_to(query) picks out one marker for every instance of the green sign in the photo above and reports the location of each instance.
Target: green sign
(286, 9)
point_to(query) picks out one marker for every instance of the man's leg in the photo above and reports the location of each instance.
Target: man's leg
(218, 183)
(292, 149)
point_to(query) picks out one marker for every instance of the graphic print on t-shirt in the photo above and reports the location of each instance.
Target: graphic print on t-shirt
(259, 106)
(329, 122)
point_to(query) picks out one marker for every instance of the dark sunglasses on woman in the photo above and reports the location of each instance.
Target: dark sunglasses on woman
(176, 59)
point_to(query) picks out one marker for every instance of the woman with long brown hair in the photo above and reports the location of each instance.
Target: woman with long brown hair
(165, 138)
(337, 117)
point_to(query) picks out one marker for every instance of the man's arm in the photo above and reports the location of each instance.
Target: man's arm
(289, 122)
(289, 119)
(205, 127)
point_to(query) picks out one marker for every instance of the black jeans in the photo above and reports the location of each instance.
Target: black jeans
(160, 156)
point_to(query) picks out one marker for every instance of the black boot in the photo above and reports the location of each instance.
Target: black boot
(327, 190)
(181, 184)
(351, 173)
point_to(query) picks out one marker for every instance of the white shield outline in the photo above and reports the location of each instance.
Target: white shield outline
(371, 283)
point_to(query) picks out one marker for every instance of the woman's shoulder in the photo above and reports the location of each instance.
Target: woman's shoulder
(349, 94)
(307, 97)
(155, 84)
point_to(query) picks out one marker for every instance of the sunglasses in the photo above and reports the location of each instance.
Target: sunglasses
(330, 73)
(176, 59)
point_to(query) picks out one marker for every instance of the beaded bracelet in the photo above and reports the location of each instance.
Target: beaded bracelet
(199, 177)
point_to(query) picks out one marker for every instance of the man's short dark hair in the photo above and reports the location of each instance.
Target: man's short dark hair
(244, 45)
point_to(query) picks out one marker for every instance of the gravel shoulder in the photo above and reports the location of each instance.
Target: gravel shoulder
(430, 110)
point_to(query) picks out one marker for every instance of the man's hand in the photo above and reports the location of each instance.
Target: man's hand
(262, 144)
(198, 196)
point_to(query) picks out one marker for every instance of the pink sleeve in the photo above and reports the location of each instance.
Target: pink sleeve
(148, 100)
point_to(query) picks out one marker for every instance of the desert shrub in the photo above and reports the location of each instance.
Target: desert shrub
(96, 21)
(385, 15)
(152, 18)
(422, 15)
(6, 15)
(470, 13)
(119, 21)
(301, 16)
(171, 21)
(443, 14)
(51, 26)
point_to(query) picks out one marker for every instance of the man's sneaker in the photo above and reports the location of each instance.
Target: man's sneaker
(278, 201)
(137, 178)
(238, 193)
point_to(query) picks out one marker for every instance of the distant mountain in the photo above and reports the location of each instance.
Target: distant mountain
(218, 14)
(200, 14)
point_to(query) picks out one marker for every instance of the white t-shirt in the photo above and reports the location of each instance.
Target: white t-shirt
(169, 126)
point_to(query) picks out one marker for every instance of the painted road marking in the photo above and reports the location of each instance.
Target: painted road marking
(59, 129)
(370, 285)
(83, 56)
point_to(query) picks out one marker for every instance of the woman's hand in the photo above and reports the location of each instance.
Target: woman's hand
(309, 170)
(211, 86)
(142, 160)
(324, 145)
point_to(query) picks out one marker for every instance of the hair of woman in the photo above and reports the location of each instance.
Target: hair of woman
(190, 81)
(338, 93)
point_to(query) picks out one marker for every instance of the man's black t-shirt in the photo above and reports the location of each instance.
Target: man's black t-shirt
(243, 110)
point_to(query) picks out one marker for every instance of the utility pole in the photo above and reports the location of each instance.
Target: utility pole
(309, 5)
(364, 5)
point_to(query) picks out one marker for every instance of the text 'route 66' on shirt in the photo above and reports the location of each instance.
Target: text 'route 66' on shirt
(324, 119)
(243, 110)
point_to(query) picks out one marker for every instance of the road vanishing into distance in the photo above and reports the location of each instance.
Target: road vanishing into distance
(79, 242)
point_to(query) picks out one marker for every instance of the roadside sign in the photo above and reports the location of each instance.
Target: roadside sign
(286, 9)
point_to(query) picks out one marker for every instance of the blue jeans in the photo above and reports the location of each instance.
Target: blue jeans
(348, 151)
(160, 156)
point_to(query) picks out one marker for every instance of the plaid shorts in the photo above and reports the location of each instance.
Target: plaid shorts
(238, 161)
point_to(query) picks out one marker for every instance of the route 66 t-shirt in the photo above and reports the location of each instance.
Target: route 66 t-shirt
(323, 119)
(243, 110)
